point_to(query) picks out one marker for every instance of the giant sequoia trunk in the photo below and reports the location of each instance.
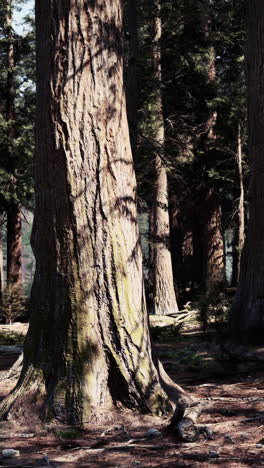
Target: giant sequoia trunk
(164, 298)
(88, 345)
(247, 314)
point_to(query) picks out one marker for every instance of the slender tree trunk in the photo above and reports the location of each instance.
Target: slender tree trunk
(214, 238)
(240, 235)
(10, 99)
(88, 345)
(1, 263)
(132, 74)
(163, 288)
(208, 244)
(14, 249)
(176, 236)
(14, 239)
(247, 314)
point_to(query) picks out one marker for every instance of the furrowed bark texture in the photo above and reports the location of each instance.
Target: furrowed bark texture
(247, 314)
(164, 297)
(88, 344)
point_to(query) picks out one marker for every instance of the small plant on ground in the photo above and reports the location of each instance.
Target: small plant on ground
(12, 306)
(214, 305)
(8, 338)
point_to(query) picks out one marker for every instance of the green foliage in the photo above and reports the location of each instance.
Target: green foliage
(164, 334)
(67, 434)
(214, 306)
(16, 136)
(9, 338)
(199, 37)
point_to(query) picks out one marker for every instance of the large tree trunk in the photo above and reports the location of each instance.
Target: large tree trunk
(164, 297)
(88, 345)
(247, 314)
(14, 249)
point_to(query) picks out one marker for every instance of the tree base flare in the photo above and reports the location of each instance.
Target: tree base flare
(31, 397)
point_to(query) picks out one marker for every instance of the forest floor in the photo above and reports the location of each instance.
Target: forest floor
(230, 380)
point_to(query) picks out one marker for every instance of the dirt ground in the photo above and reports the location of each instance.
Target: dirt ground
(231, 382)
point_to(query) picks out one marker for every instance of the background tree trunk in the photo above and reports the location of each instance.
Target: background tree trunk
(208, 245)
(164, 297)
(14, 232)
(240, 231)
(209, 214)
(247, 314)
(1, 263)
(14, 249)
(132, 74)
(88, 344)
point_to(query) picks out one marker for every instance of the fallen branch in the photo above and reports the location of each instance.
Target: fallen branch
(233, 399)
(187, 410)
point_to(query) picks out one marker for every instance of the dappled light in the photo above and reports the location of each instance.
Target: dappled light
(140, 342)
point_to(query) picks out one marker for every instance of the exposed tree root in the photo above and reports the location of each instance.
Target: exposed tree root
(26, 394)
(187, 410)
(183, 422)
(15, 370)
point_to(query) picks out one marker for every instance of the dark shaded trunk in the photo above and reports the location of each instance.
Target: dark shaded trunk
(247, 313)
(208, 237)
(208, 244)
(14, 249)
(1, 263)
(176, 237)
(14, 239)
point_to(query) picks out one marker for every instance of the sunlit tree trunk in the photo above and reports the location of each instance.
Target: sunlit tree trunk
(132, 73)
(163, 288)
(247, 314)
(88, 346)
